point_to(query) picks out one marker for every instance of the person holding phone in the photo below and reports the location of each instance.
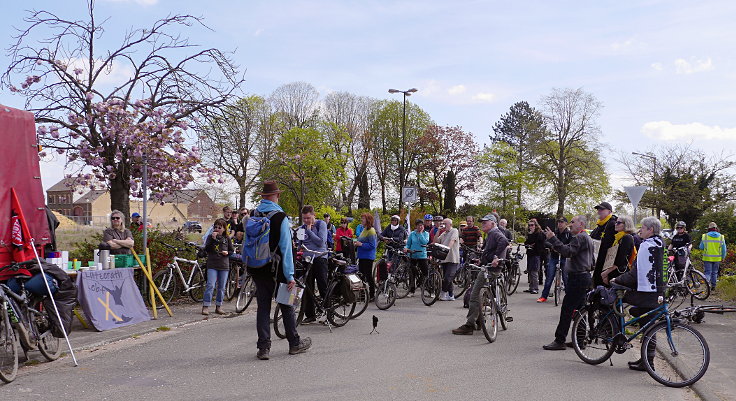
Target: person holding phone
(218, 247)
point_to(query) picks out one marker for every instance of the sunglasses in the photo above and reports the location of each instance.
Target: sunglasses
(532, 224)
(114, 218)
(619, 222)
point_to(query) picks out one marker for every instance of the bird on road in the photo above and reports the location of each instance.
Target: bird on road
(375, 325)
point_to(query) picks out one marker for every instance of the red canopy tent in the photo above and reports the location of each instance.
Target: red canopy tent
(19, 169)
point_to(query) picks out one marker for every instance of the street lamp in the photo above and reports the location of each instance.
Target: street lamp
(406, 93)
(653, 158)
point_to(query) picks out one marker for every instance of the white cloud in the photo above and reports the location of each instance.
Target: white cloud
(667, 131)
(683, 66)
(484, 97)
(457, 90)
(622, 45)
(657, 66)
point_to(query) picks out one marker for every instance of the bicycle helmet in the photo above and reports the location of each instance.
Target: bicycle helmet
(427, 217)
(438, 218)
(680, 224)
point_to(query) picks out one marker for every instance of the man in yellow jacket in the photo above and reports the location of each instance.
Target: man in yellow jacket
(713, 244)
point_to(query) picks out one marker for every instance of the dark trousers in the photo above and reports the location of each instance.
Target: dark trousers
(365, 266)
(265, 288)
(449, 270)
(532, 268)
(578, 285)
(417, 266)
(318, 272)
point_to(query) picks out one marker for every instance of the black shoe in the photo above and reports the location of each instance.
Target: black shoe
(303, 346)
(466, 306)
(262, 354)
(527, 290)
(569, 344)
(554, 346)
(309, 320)
(534, 291)
(464, 330)
(637, 365)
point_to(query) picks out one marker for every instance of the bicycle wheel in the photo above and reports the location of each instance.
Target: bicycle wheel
(339, 309)
(361, 301)
(697, 285)
(431, 288)
(514, 278)
(8, 347)
(166, 283)
(231, 288)
(679, 362)
(558, 287)
(460, 281)
(502, 305)
(401, 276)
(385, 295)
(245, 295)
(488, 315)
(197, 285)
(278, 324)
(49, 345)
(592, 335)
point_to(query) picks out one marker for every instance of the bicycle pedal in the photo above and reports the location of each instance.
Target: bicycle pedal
(509, 319)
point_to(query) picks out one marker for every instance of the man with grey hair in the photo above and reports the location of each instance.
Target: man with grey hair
(449, 237)
(494, 251)
(506, 232)
(581, 260)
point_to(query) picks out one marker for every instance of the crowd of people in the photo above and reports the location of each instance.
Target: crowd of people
(613, 252)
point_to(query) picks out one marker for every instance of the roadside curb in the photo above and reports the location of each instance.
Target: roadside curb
(702, 390)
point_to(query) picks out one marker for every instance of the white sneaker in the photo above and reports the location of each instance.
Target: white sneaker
(450, 298)
(443, 296)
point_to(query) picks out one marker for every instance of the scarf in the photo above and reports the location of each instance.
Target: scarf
(617, 237)
(394, 227)
(604, 221)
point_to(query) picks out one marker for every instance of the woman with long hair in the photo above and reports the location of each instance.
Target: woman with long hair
(366, 245)
(535, 240)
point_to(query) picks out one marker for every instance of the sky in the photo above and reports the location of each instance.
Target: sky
(663, 70)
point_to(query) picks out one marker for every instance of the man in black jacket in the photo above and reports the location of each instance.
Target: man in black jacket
(494, 251)
(562, 232)
(604, 231)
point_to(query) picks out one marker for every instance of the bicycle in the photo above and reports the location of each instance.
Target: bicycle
(362, 294)
(462, 280)
(166, 278)
(559, 283)
(685, 282)
(493, 300)
(599, 330)
(395, 260)
(26, 310)
(432, 284)
(333, 304)
(513, 270)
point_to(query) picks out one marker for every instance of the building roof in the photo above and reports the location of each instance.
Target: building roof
(185, 196)
(66, 184)
(90, 196)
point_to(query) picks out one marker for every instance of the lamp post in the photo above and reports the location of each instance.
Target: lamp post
(402, 167)
(653, 158)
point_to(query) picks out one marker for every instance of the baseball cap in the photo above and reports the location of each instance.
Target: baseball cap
(489, 217)
(562, 219)
(135, 215)
(604, 205)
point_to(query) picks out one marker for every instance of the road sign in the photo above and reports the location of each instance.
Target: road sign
(635, 194)
(410, 194)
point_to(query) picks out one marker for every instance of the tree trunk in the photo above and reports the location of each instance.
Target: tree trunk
(120, 193)
(241, 193)
(383, 198)
(364, 197)
(561, 191)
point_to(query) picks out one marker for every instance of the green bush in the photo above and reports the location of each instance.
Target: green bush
(727, 288)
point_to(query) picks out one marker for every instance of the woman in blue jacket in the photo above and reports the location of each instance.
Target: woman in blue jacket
(417, 242)
(366, 245)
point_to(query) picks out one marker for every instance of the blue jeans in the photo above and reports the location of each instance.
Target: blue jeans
(551, 271)
(711, 272)
(35, 285)
(219, 276)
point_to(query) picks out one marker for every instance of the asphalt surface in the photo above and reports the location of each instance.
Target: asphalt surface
(414, 357)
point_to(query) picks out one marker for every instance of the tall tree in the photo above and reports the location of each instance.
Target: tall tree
(305, 167)
(523, 129)
(297, 104)
(110, 127)
(238, 139)
(453, 153)
(569, 151)
(501, 176)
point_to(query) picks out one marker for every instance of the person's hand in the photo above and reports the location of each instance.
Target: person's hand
(421, 229)
(224, 253)
(495, 262)
(358, 243)
(291, 285)
(406, 249)
(214, 234)
(604, 276)
(549, 233)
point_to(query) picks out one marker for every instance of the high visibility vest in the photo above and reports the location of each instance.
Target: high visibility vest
(712, 248)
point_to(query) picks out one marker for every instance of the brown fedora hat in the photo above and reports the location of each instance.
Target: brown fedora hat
(270, 188)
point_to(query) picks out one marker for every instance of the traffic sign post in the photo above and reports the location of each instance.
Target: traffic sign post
(635, 193)
(410, 195)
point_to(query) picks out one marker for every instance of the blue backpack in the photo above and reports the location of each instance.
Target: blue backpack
(257, 250)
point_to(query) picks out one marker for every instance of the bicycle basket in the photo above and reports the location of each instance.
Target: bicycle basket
(438, 251)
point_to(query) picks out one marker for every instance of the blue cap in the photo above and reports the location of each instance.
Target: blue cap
(135, 215)
(427, 217)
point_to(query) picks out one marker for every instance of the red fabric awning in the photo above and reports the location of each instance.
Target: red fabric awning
(19, 169)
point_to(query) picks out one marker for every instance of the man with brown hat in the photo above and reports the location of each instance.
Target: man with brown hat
(282, 267)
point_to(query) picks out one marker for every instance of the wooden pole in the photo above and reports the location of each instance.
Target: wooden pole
(150, 280)
(150, 285)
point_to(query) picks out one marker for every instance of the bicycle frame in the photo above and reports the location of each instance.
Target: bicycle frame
(662, 310)
(175, 266)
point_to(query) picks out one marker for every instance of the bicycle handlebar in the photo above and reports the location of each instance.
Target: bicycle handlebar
(316, 253)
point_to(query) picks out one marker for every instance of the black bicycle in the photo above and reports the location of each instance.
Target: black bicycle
(24, 321)
(463, 278)
(512, 273)
(335, 305)
(493, 300)
(432, 283)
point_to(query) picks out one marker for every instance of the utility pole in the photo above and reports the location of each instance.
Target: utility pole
(402, 166)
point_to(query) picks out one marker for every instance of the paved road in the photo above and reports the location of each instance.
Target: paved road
(413, 357)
